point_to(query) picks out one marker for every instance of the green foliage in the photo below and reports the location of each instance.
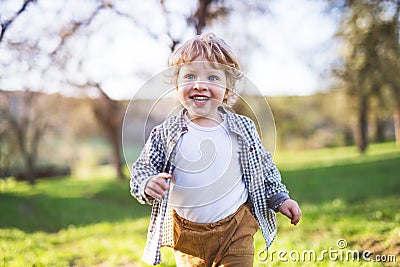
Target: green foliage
(304, 122)
(369, 59)
(74, 222)
(330, 157)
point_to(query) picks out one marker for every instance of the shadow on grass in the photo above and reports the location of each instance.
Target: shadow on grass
(352, 183)
(47, 209)
(54, 205)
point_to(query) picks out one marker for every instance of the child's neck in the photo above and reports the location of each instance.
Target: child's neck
(205, 122)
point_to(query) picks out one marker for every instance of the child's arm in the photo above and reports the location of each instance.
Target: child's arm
(148, 165)
(277, 194)
(280, 200)
(291, 209)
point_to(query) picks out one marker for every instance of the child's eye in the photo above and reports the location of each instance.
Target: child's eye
(190, 76)
(213, 78)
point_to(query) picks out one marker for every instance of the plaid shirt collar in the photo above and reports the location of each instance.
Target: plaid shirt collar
(225, 114)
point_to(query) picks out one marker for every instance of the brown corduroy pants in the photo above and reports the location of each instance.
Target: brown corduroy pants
(228, 242)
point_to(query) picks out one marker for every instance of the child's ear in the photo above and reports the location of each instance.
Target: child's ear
(226, 94)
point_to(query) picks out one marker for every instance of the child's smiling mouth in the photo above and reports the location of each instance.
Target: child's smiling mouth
(199, 100)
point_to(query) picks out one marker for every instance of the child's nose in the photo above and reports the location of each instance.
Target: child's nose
(200, 85)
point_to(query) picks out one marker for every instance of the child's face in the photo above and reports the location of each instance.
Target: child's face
(201, 89)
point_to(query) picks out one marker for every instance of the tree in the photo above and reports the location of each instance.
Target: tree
(364, 71)
(24, 118)
(107, 111)
(7, 150)
(66, 51)
(109, 114)
(390, 50)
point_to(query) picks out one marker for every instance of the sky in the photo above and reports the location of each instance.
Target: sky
(295, 46)
(299, 51)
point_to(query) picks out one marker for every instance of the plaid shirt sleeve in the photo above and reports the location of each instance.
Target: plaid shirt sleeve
(276, 191)
(263, 179)
(149, 163)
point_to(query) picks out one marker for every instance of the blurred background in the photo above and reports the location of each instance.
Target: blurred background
(68, 70)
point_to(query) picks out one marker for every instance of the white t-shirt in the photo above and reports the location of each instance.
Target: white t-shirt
(207, 183)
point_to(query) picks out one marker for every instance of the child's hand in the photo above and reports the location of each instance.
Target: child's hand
(157, 185)
(291, 209)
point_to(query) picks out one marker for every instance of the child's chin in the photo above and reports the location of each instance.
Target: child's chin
(200, 111)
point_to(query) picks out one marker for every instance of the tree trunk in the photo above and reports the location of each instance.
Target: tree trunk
(30, 169)
(396, 113)
(117, 151)
(379, 130)
(109, 114)
(396, 118)
(361, 130)
(201, 15)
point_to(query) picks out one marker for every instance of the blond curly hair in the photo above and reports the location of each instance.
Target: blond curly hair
(209, 48)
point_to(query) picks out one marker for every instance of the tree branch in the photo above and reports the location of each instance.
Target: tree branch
(7, 23)
(71, 29)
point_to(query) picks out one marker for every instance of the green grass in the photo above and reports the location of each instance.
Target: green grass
(334, 156)
(95, 222)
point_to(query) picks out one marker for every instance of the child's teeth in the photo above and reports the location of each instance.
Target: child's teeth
(200, 98)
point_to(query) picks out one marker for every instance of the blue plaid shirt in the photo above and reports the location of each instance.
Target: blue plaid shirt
(260, 175)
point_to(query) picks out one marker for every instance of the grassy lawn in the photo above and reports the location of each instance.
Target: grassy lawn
(95, 222)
